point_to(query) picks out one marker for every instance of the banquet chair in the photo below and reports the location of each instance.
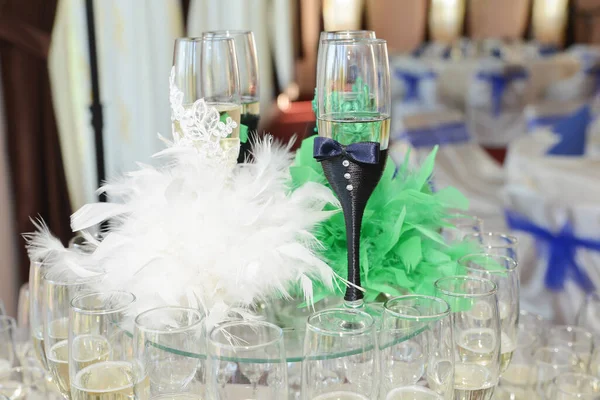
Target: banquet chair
(582, 85)
(552, 207)
(414, 86)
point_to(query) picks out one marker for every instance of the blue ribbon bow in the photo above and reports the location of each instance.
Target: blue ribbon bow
(499, 82)
(561, 248)
(411, 82)
(361, 152)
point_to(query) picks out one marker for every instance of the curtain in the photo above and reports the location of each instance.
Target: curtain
(401, 22)
(271, 22)
(498, 18)
(38, 180)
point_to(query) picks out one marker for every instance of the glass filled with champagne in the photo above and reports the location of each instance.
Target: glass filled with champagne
(340, 355)
(501, 270)
(59, 289)
(100, 348)
(477, 334)
(169, 344)
(416, 349)
(36, 311)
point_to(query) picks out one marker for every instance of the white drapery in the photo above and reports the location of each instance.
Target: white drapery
(272, 24)
(135, 49)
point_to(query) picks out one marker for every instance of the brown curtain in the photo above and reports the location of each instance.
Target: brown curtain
(38, 178)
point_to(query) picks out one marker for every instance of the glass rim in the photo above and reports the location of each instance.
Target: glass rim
(510, 260)
(573, 329)
(141, 327)
(349, 31)
(554, 350)
(11, 323)
(228, 33)
(57, 281)
(329, 332)
(492, 291)
(120, 308)
(200, 39)
(512, 240)
(580, 375)
(355, 41)
(221, 327)
(465, 216)
(418, 318)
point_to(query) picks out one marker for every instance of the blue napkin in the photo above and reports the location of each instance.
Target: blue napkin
(572, 131)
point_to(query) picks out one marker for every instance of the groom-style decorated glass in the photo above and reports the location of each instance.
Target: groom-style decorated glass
(340, 356)
(416, 349)
(101, 348)
(503, 272)
(354, 102)
(476, 329)
(168, 342)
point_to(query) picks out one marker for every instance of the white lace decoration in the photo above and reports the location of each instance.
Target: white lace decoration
(199, 125)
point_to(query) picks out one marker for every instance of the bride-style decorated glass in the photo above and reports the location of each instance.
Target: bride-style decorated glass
(416, 349)
(503, 272)
(476, 328)
(354, 102)
(100, 344)
(340, 356)
(246, 360)
(168, 342)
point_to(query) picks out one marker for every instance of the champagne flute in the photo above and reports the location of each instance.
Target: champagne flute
(354, 104)
(36, 311)
(168, 342)
(588, 315)
(476, 327)
(186, 68)
(518, 381)
(578, 339)
(534, 323)
(503, 272)
(495, 243)
(58, 293)
(8, 328)
(246, 360)
(100, 347)
(340, 356)
(575, 386)
(26, 383)
(416, 349)
(247, 59)
(462, 224)
(551, 362)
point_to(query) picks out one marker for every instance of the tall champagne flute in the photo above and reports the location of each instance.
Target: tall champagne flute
(340, 356)
(36, 311)
(8, 327)
(354, 104)
(58, 293)
(518, 381)
(246, 360)
(100, 346)
(503, 272)
(476, 327)
(495, 243)
(168, 343)
(462, 224)
(247, 59)
(416, 349)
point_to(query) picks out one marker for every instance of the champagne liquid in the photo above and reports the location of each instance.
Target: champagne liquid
(58, 365)
(341, 395)
(507, 348)
(356, 127)
(473, 382)
(413, 393)
(477, 345)
(59, 329)
(110, 380)
(38, 348)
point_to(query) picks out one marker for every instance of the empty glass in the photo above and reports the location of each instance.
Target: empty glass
(8, 328)
(168, 342)
(534, 323)
(462, 225)
(416, 349)
(578, 339)
(518, 381)
(476, 328)
(551, 362)
(246, 360)
(26, 383)
(588, 315)
(503, 272)
(495, 243)
(101, 348)
(340, 356)
(574, 386)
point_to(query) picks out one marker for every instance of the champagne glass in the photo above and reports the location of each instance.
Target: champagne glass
(495, 243)
(416, 349)
(246, 360)
(167, 345)
(476, 328)
(186, 68)
(535, 323)
(26, 383)
(578, 339)
(247, 59)
(588, 315)
(354, 102)
(58, 293)
(36, 311)
(462, 224)
(8, 328)
(575, 386)
(340, 356)
(551, 362)
(101, 348)
(503, 272)
(518, 381)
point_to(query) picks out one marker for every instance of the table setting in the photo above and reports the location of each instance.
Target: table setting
(230, 267)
